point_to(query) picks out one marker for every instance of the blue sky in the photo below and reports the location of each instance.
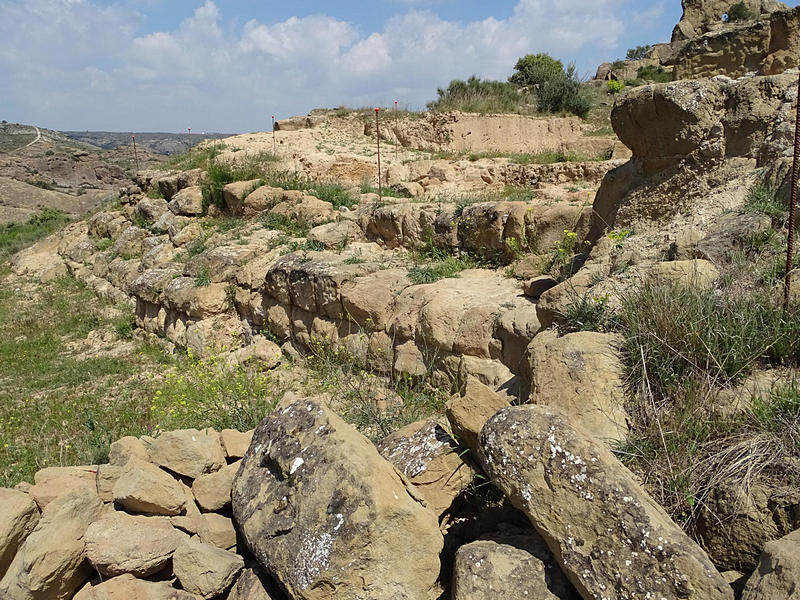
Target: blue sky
(227, 65)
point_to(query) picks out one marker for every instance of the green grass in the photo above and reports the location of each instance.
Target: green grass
(682, 347)
(334, 193)
(196, 158)
(218, 175)
(762, 199)
(449, 266)
(63, 401)
(291, 227)
(16, 236)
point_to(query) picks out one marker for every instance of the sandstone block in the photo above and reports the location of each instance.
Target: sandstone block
(342, 511)
(18, 517)
(144, 488)
(189, 452)
(612, 539)
(205, 570)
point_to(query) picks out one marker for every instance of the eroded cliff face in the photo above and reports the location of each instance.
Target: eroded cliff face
(703, 16)
(689, 138)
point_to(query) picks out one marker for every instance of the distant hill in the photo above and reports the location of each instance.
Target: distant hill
(160, 143)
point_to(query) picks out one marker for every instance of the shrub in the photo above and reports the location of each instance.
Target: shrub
(739, 12)
(536, 69)
(286, 224)
(638, 53)
(653, 73)
(563, 94)
(586, 312)
(334, 193)
(614, 87)
(450, 266)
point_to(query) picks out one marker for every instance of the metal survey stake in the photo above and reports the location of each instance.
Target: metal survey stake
(273, 134)
(395, 129)
(787, 282)
(378, 137)
(135, 154)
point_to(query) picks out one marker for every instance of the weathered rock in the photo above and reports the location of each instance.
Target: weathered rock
(189, 452)
(127, 587)
(52, 482)
(144, 488)
(205, 570)
(734, 524)
(778, 575)
(218, 531)
(235, 193)
(612, 539)
(250, 586)
(51, 564)
(151, 209)
(213, 491)
(539, 285)
(697, 274)
(18, 517)
(431, 459)
(120, 543)
(107, 477)
(582, 375)
(234, 442)
(187, 202)
(469, 411)
(325, 514)
(514, 568)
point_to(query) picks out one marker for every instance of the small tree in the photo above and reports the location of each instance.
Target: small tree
(536, 69)
(739, 12)
(638, 53)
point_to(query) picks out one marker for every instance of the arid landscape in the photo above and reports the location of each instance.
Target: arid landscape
(539, 352)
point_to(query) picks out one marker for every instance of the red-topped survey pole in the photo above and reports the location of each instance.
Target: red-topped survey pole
(395, 129)
(787, 282)
(273, 134)
(378, 137)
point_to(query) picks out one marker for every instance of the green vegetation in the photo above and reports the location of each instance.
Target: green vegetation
(564, 254)
(218, 175)
(533, 70)
(653, 73)
(154, 192)
(682, 441)
(202, 279)
(65, 399)
(540, 83)
(739, 12)
(377, 406)
(289, 226)
(334, 193)
(638, 53)
(614, 87)
(448, 266)
(763, 199)
(16, 236)
(480, 96)
(199, 157)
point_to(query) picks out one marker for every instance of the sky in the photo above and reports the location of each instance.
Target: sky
(229, 65)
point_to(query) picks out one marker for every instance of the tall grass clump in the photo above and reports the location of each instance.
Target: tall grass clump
(684, 347)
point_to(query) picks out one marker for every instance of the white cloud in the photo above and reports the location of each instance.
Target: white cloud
(80, 64)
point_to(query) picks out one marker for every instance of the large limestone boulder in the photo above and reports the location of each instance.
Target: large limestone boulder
(18, 517)
(52, 482)
(582, 375)
(189, 452)
(431, 460)
(516, 567)
(144, 488)
(696, 274)
(702, 16)
(204, 569)
(612, 539)
(328, 517)
(51, 563)
(127, 587)
(778, 575)
(121, 543)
